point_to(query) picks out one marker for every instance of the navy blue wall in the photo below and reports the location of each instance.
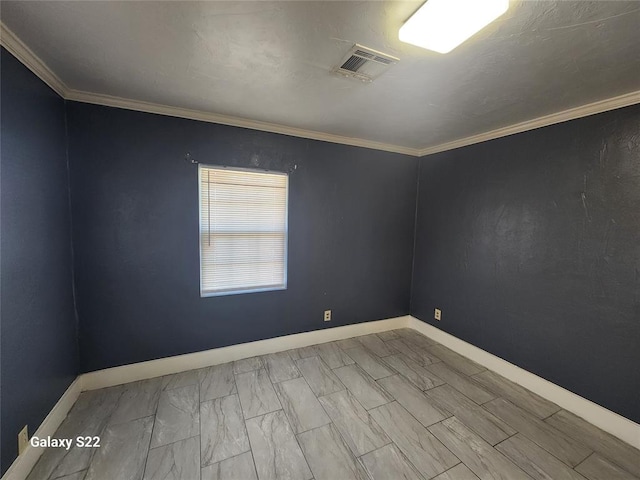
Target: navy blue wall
(39, 353)
(135, 211)
(530, 245)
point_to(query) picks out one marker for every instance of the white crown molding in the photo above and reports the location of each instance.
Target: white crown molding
(30, 60)
(23, 53)
(26, 56)
(140, 106)
(601, 106)
(628, 99)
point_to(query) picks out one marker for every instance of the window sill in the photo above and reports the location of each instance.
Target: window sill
(240, 292)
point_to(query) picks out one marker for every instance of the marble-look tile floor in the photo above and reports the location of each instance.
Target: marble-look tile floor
(387, 406)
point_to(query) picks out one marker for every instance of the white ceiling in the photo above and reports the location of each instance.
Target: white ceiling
(271, 61)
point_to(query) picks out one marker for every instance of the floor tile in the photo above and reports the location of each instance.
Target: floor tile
(176, 461)
(358, 429)
(193, 424)
(294, 354)
(420, 356)
(423, 450)
(462, 383)
(319, 377)
(74, 476)
(240, 467)
(222, 430)
(328, 456)
(417, 375)
(217, 382)
(568, 450)
(182, 379)
(256, 392)
(535, 461)
(609, 446)
(276, 452)
(362, 386)
(348, 343)
(480, 457)
(388, 463)
(415, 338)
(88, 417)
(488, 426)
(388, 335)
(301, 406)
(598, 468)
(178, 415)
(414, 400)
(333, 355)
(516, 394)
(376, 346)
(460, 363)
(459, 472)
(280, 367)
(123, 451)
(247, 365)
(305, 352)
(138, 400)
(369, 363)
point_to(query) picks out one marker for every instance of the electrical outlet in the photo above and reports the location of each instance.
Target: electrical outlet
(327, 315)
(23, 439)
(437, 314)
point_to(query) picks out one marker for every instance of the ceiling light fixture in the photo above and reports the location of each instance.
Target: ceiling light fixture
(442, 25)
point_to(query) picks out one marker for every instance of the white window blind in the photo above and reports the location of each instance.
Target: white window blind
(243, 230)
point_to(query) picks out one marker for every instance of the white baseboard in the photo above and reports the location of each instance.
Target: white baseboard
(190, 361)
(611, 422)
(23, 464)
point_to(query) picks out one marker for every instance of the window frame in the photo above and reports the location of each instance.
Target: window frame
(221, 293)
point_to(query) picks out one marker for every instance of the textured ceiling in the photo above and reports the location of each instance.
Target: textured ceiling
(270, 61)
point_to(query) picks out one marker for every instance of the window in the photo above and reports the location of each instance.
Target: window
(243, 230)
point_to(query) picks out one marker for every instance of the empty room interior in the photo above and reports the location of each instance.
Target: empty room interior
(320, 240)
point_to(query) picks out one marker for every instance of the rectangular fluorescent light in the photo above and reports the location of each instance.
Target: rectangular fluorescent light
(442, 25)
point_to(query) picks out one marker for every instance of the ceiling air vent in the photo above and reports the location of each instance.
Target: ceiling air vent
(364, 63)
